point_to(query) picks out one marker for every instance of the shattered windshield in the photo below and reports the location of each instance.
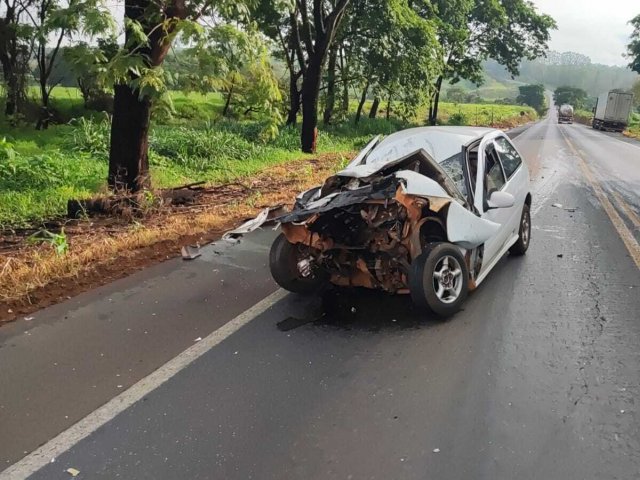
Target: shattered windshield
(453, 168)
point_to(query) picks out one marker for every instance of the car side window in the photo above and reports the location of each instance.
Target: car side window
(493, 175)
(508, 156)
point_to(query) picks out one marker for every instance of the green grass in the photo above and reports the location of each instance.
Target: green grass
(484, 114)
(634, 125)
(41, 170)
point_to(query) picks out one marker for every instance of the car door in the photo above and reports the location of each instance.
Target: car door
(517, 177)
(490, 177)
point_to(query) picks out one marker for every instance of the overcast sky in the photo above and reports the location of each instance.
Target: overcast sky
(597, 28)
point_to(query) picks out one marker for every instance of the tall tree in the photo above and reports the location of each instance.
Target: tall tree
(54, 21)
(570, 95)
(279, 21)
(532, 95)
(633, 49)
(318, 24)
(471, 31)
(392, 54)
(16, 45)
(150, 28)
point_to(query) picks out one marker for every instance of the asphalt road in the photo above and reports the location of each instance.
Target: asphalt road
(537, 378)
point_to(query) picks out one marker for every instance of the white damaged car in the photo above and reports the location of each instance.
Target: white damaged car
(425, 211)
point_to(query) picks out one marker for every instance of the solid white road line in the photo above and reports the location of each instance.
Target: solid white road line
(89, 424)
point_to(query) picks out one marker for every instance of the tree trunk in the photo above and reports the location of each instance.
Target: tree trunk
(43, 119)
(363, 98)
(129, 149)
(225, 110)
(388, 113)
(11, 105)
(128, 153)
(331, 87)
(344, 75)
(294, 99)
(433, 111)
(310, 90)
(374, 107)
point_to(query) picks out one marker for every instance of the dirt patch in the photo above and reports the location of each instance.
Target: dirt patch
(102, 249)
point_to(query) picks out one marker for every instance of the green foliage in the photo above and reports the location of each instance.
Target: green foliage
(57, 240)
(636, 93)
(89, 136)
(402, 59)
(458, 119)
(473, 30)
(573, 96)
(633, 49)
(87, 64)
(532, 95)
(60, 20)
(486, 114)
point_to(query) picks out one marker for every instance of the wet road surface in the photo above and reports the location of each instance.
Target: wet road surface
(536, 378)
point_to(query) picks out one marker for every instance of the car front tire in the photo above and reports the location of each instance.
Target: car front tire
(439, 279)
(283, 263)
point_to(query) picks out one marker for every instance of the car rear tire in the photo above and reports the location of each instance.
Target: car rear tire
(524, 234)
(283, 263)
(439, 279)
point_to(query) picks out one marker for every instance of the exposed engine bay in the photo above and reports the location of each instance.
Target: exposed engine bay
(365, 231)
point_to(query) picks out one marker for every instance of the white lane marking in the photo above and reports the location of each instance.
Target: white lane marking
(89, 424)
(623, 232)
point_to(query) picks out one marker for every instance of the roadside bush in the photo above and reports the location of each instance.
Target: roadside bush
(200, 150)
(89, 136)
(458, 119)
(39, 172)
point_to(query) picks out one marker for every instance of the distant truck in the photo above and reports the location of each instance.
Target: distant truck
(565, 114)
(612, 111)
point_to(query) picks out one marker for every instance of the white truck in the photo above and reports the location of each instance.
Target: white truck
(565, 114)
(612, 111)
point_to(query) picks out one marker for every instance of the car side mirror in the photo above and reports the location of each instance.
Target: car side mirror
(499, 199)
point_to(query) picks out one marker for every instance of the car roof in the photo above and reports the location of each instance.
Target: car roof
(439, 142)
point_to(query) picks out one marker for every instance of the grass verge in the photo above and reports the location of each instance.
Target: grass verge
(92, 246)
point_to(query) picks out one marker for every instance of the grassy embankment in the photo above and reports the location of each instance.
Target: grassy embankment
(634, 126)
(40, 171)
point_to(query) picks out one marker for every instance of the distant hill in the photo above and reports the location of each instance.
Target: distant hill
(554, 70)
(567, 68)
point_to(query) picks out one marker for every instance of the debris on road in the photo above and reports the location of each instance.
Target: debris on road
(189, 252)
(74, 472)
(567, 209)
(559, 255)
(28, 319)
(198, 339)
(264, 216)
(436, 450)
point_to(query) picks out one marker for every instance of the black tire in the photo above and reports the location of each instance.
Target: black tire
(524, 233)
(283, 263)
(422, 284)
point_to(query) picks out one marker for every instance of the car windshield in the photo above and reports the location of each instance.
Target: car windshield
(453, 167)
